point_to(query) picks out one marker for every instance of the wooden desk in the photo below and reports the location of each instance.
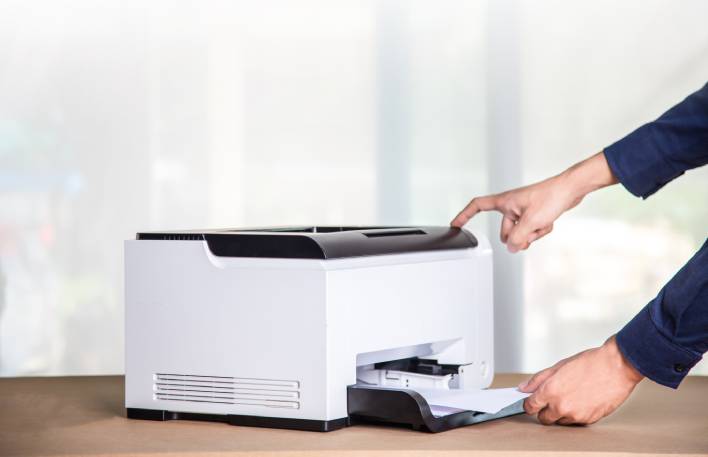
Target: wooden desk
(85, 416)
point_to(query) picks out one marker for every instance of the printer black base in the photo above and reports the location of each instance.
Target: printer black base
(249, 421)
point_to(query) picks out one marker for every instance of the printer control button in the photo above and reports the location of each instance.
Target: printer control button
(679, 368)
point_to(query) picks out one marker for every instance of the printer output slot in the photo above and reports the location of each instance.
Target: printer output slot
(411, 373)
(418, 365)
(393, 233)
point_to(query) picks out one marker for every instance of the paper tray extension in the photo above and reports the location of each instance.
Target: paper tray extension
(407, 407)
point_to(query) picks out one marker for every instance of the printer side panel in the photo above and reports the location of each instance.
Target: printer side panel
(227, 336)
(484, 303)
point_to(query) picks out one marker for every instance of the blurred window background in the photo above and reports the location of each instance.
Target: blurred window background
(125, 116)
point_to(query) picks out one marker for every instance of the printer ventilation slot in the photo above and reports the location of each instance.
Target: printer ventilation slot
(272, 393)
(171, 236)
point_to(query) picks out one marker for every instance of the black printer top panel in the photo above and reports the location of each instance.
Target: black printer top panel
(322, 242)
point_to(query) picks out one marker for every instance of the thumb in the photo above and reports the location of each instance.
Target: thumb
(536, 380)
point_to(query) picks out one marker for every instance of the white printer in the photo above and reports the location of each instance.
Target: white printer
(311, 328)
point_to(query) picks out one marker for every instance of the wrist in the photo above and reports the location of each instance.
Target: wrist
(623, 365)
(589, 175)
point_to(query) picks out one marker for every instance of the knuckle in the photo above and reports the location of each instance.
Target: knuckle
(513, 207)
(564, 408)
(547, 391)
(551, 385)
(544, 389)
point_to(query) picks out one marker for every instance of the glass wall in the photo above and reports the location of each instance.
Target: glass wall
(118, 117)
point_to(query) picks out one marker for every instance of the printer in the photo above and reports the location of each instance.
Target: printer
(311, 328)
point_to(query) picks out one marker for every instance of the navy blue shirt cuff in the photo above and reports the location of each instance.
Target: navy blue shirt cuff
(652, 353)
(642, 176)
(658, 152)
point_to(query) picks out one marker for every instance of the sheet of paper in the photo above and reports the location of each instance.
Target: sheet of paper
(440, 411)
(484, 400)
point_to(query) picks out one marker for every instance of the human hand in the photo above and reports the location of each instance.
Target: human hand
(529, 212)
(581, 389)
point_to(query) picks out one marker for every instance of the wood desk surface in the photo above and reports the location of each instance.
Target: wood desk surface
(85, 416)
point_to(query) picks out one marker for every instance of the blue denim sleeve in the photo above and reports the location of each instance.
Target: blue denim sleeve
(657, 152)
(670, 335)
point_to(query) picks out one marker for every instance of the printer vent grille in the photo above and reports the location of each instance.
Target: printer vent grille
(271, 393)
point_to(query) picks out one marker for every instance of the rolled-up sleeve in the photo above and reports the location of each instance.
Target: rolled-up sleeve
(657, 152)
(670, 335)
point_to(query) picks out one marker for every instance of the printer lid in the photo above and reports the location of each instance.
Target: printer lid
(322, 242)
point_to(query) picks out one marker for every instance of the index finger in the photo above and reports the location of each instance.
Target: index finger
(475, 205)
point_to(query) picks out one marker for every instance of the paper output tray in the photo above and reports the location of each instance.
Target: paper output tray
(408, 408)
